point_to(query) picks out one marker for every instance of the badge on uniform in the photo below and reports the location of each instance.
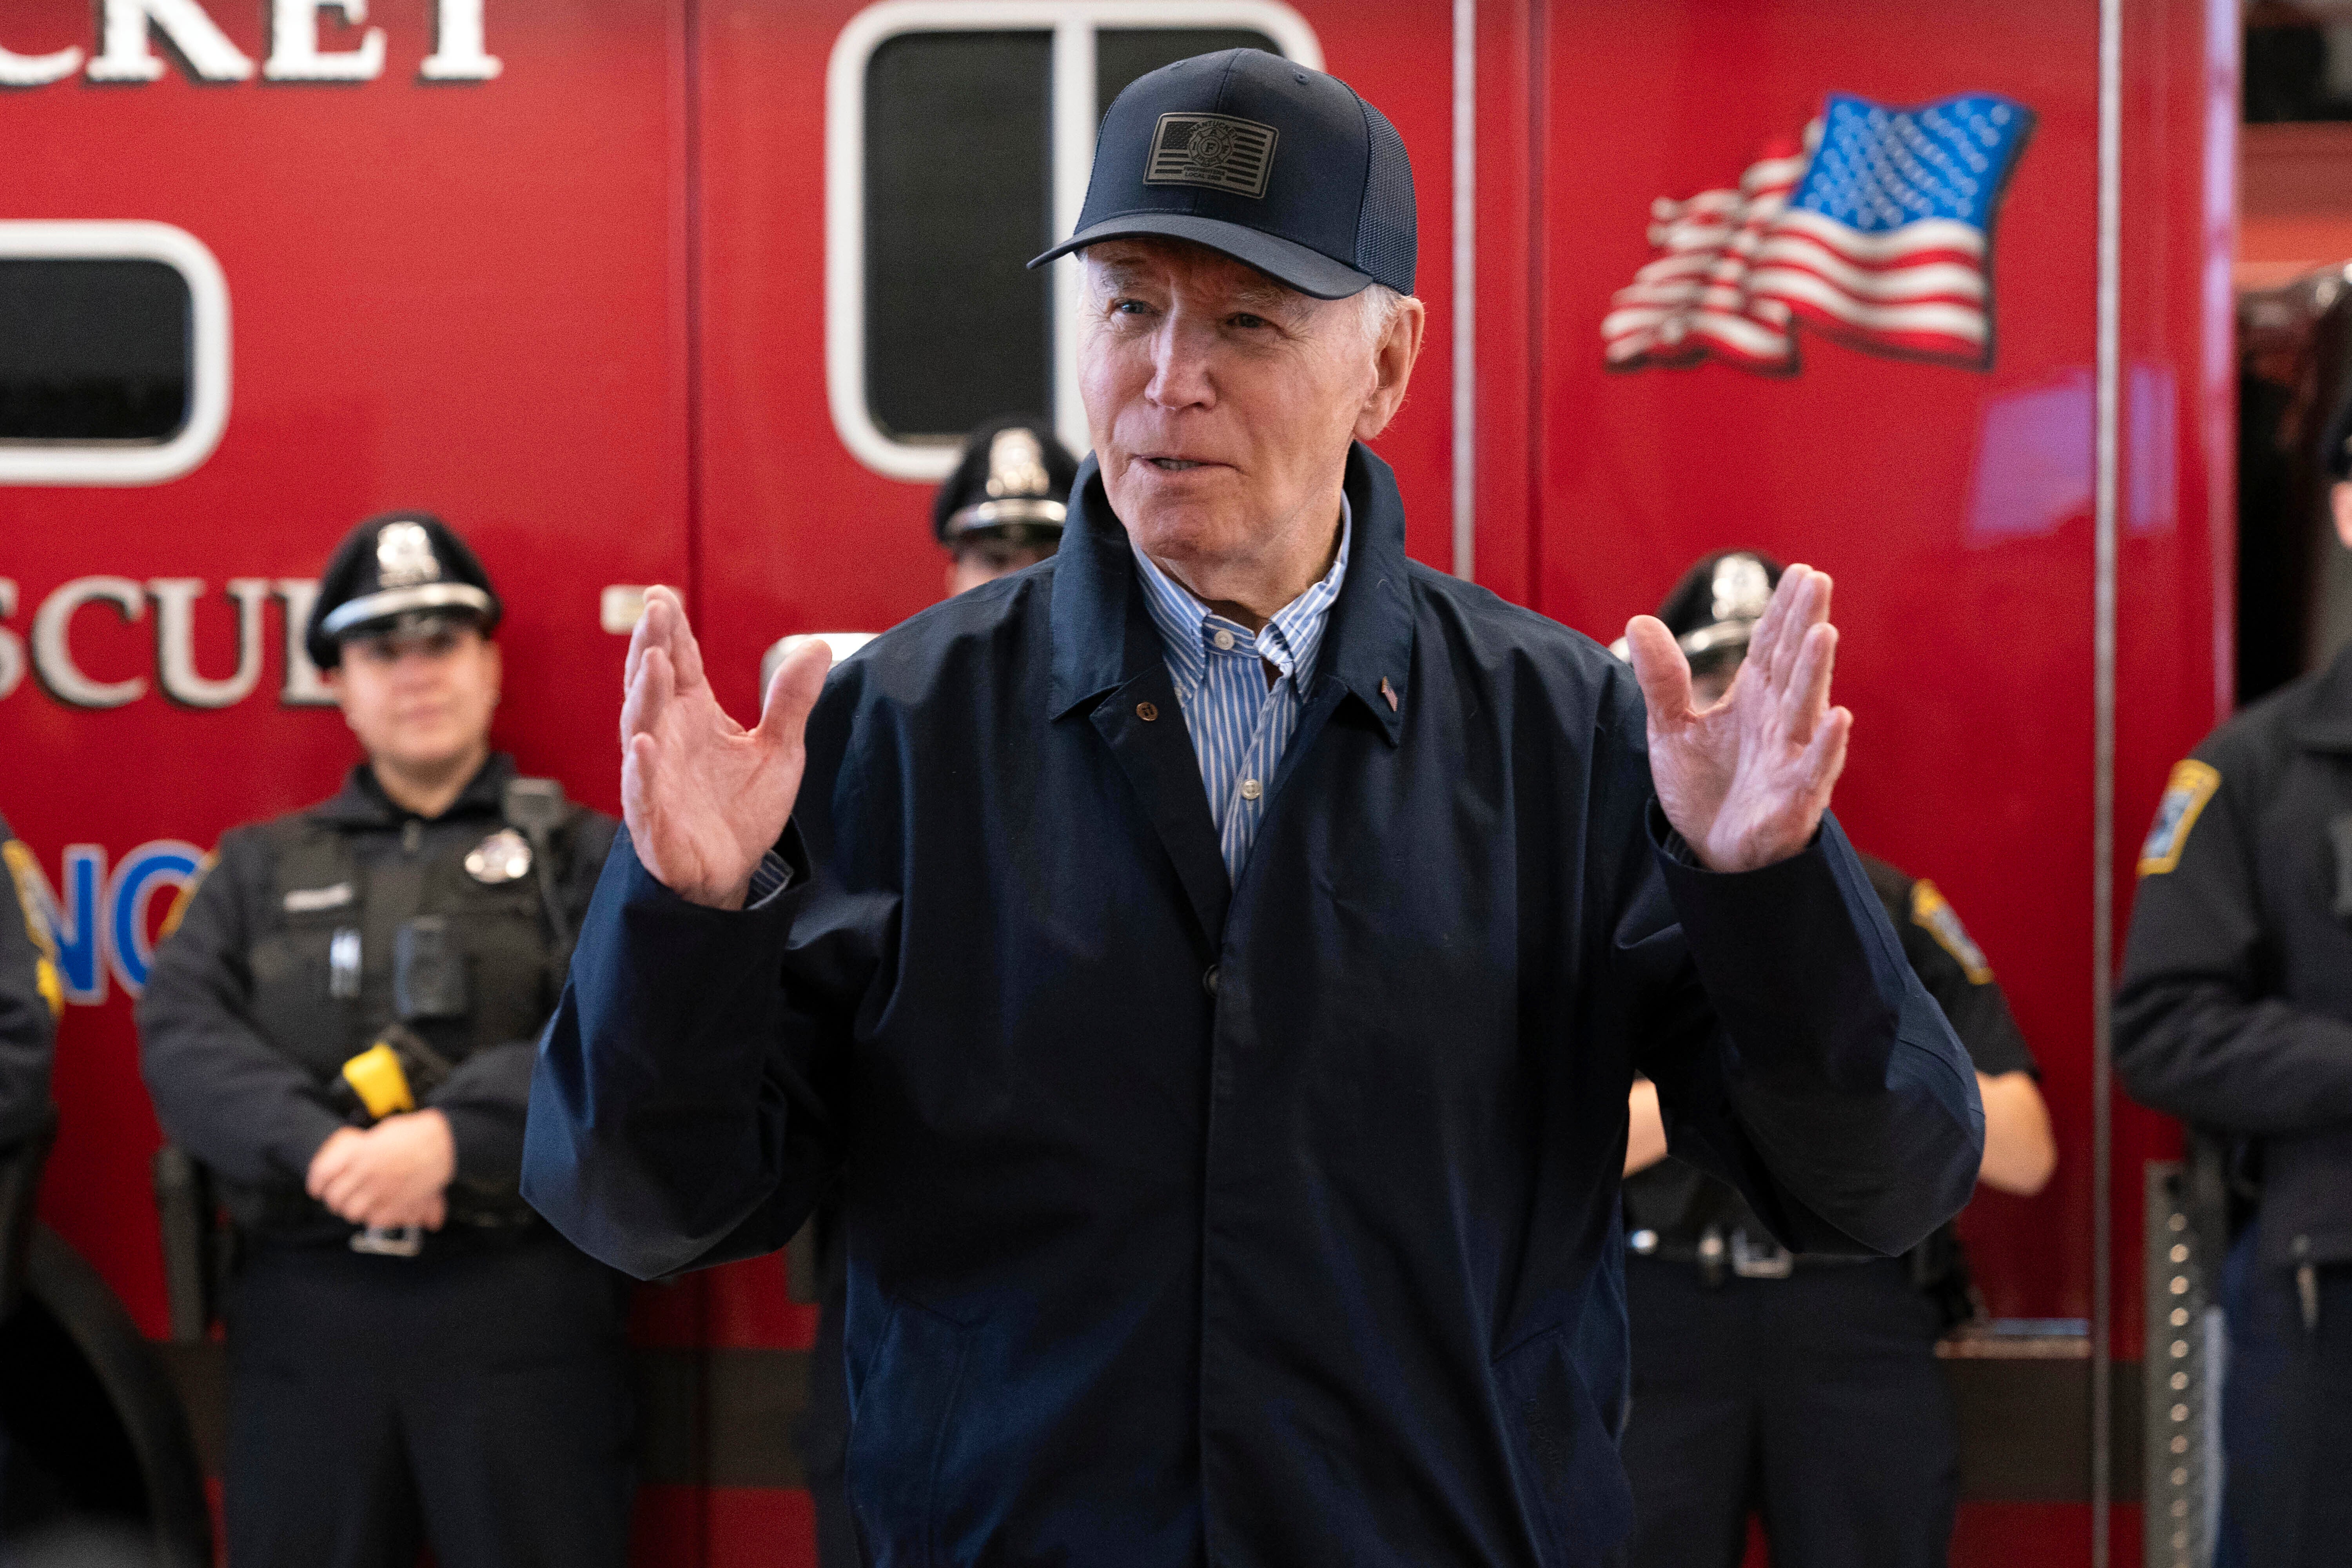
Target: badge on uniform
(1934, 914)
(503, 857)
(2185, 793)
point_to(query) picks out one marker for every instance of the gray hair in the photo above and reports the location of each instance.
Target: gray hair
(1377, 305)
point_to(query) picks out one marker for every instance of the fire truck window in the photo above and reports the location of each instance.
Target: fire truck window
(92, 350)
(958, 199)
(1122, 54)
(2298, 62)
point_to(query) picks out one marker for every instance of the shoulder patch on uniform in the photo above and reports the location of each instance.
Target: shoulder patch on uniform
(2185, 793)
(180, 902)
(25, 874)
(1933, 914)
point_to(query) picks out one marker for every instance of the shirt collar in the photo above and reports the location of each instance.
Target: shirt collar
(1289, 641)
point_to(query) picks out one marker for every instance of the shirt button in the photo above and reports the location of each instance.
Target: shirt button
(1251, 789)
(1209, 981)
(1224, 641)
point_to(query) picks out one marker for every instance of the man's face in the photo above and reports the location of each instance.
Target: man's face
(1221, 403)
(978, 561)
(419, 698)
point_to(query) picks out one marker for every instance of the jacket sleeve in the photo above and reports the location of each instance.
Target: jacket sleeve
(221, 1091)
(486, 1095)
(32, 996)
(2196, 1036)
(685, 1104)
(1796, 1054)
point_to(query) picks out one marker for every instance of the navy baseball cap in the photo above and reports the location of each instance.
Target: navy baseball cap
(1257, 157)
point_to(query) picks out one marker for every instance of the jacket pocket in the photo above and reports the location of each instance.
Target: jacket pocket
(899, 1410)
(1571, 1482)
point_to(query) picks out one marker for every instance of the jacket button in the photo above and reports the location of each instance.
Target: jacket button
(1209, 981)
(1147, 711)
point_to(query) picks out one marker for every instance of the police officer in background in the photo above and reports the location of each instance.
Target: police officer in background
(1002, 508)
(1002, 511)
(341, 1028)
(2235, 1015)
(1801, 1389)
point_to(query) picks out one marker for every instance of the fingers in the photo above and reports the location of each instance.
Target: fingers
(649, 694)
(1801, 602)
(792, 690)
(648, 631)
(1661, 669)
(1807, 693)
(1824, 759)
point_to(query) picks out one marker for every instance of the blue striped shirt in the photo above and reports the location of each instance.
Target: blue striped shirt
(1240, 725)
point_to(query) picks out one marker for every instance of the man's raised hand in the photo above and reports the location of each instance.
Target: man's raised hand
(1746, 782)
(705, 798)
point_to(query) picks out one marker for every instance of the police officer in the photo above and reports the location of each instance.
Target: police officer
(341, 1028)
(1002, 508)
(2235, 1015)
(1000, 512)
(1799, 1388)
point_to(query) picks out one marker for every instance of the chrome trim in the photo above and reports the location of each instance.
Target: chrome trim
(2103, 785)
(1465, 287)
(998, 513)
(399, 600)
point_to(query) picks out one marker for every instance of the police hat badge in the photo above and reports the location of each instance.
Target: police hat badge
(503, 857)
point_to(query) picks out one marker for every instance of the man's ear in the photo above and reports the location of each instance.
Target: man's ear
(2339, 501)
(1392, 363)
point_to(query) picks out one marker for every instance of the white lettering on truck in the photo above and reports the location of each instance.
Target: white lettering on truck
(294, 52)
(127, 29)
(64, 676)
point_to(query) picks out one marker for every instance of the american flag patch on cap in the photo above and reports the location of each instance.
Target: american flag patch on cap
(1216, 151)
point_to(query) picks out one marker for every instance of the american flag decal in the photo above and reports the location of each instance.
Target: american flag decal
(1213, 150)
(1877, 229)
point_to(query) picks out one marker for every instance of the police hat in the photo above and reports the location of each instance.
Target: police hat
(1282, 168)
(1014, 484)
(402, 569)
(1715, 608)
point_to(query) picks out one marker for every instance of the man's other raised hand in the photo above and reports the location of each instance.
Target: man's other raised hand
(1746, 782)
(704, 797)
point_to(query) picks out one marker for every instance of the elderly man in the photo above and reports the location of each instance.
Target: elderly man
(1216, 961)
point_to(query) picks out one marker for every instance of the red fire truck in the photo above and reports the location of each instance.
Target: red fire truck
(700, 292)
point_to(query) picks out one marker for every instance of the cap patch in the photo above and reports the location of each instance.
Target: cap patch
(1934, 914)
(1016, 465)
(2185, 793)
(403, 556)
(1742, 589)
(1214, 151)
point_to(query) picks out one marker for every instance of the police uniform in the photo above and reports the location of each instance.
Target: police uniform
(472, 1395)
(2235, 1015)
(1803, 1389)
(32, 996)
(1011, 485)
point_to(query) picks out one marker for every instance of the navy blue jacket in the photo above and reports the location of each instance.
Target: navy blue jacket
(1273, 1223)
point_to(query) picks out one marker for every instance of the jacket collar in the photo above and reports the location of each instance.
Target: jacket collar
(362, 803)
(1104, 636)
(2326, 721)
